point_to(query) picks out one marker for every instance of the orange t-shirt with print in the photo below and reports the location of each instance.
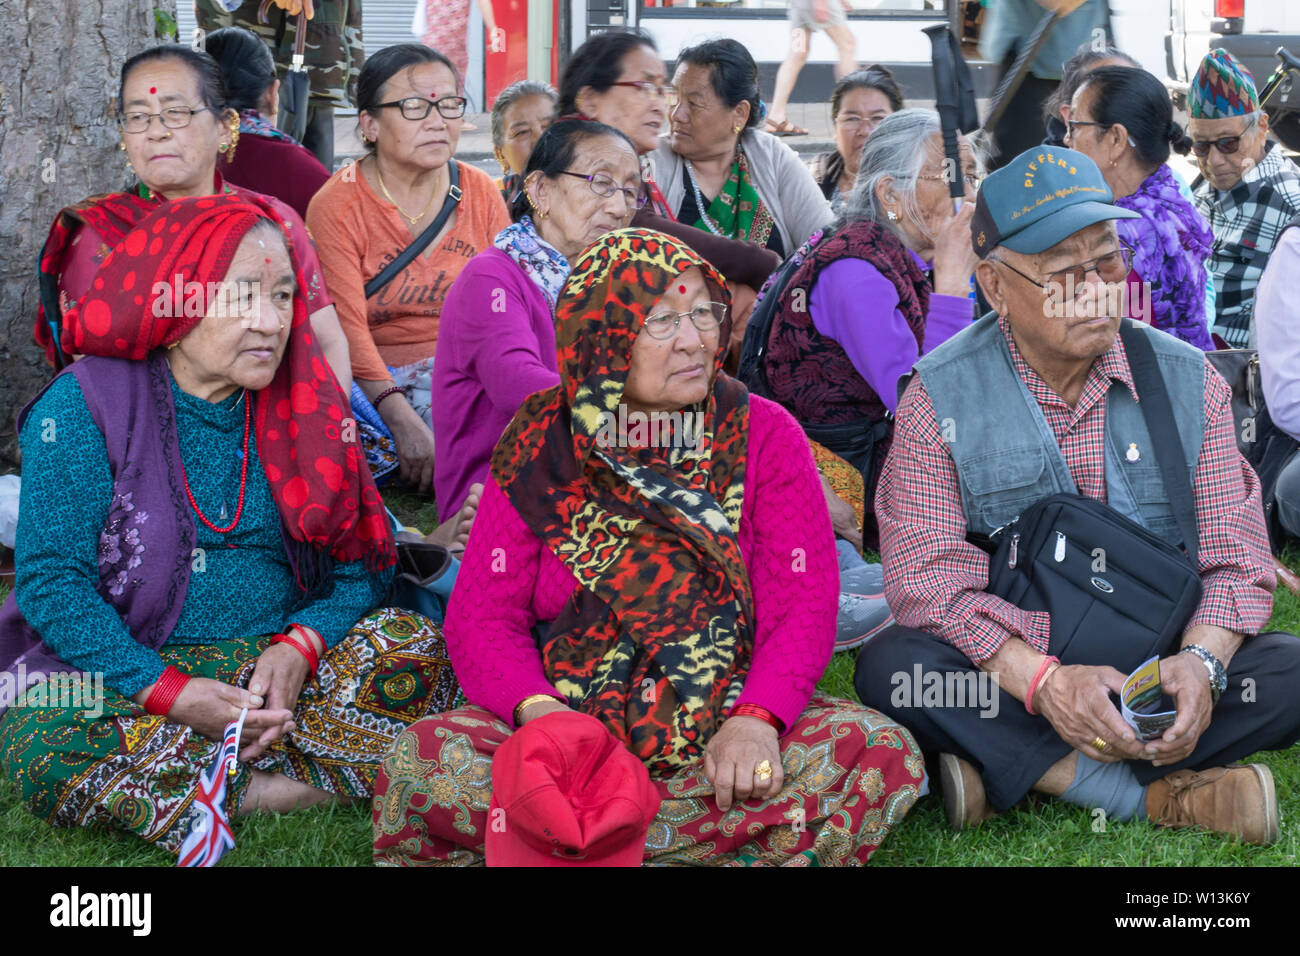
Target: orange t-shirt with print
(357, 233)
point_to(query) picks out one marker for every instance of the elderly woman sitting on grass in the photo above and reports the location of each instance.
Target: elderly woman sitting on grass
(662, 607)
(199, 534)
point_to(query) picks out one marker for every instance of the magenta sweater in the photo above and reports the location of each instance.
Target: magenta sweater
(509, 581)
(496, 346)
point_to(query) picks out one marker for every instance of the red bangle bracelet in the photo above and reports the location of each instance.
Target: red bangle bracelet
(308, 633)
(383, 395)
(305, 650)
(762, 713)
(165, 691)
(1033, 684)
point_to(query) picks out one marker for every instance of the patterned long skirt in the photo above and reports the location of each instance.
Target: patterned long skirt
(136, 772)
(850, 775)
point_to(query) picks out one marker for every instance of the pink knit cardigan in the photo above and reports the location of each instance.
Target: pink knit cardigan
(509, 581)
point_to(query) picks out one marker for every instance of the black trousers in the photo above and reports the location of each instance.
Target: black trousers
(1021, 126)
(319, 138)
(1260, 710)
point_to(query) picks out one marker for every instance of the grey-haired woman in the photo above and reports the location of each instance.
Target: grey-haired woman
(521, 114)
(860, 309)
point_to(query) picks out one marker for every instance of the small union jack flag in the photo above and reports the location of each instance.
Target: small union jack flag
(211, 836)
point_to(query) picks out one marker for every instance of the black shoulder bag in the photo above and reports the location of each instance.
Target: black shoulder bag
(423, 239)
(1117, 593)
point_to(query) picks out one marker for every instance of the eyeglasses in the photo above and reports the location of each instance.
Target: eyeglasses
(1227, 145)
(605, 186)
(417, 107)
(972, 180)
(646, 87)
(173, 117)
(1112, 267)
(1073, 125)
(706, 317)
(855, 123)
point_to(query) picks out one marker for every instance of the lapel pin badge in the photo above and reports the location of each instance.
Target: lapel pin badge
(1133, 454)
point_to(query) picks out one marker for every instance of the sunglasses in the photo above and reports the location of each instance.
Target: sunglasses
(1226, 145)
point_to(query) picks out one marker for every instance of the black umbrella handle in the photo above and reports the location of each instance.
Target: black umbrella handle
(947, 99)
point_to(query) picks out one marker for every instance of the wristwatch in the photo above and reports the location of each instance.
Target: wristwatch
(1218, 674)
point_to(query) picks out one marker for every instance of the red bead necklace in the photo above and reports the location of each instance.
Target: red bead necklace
(243, 478)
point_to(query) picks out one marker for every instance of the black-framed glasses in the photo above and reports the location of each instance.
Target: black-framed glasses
(1112, 267)
(661, 90)
(706, 317)
(605, 186)
(1227, 145)
(418, 107)
(1072, 127)
(173, 117)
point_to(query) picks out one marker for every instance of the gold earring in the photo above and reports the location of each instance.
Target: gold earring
(229, 149)
(736, 129)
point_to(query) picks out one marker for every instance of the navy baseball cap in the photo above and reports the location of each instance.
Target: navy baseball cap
(1039, 198)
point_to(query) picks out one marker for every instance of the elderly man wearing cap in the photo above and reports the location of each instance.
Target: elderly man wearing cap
(1056, 403)
(1247, 191)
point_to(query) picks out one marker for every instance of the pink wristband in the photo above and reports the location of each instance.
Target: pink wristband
(1048, 661)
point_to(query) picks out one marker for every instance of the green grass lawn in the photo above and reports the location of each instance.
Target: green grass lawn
(1040, 832)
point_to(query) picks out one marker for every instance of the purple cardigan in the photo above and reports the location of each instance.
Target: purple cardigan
(496, 346)
(878, 343)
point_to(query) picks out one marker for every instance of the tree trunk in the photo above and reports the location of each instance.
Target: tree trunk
(58, 144)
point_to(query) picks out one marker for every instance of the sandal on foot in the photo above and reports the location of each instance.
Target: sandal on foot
(784, 128)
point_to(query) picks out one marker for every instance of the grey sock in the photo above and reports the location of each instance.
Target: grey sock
(1110, 786)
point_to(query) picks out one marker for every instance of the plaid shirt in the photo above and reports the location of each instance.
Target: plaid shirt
(935, 579)
(1246, 221)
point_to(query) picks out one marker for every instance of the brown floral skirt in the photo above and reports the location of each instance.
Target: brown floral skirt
(851, 774)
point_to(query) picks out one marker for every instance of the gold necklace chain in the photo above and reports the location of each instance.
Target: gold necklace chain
(411, 219)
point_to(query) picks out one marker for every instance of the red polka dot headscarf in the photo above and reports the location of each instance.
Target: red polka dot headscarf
(305, 435)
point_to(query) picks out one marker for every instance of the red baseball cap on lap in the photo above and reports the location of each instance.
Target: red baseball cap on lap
(572, 795)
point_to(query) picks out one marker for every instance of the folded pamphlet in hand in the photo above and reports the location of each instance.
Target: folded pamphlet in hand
(1144, 704)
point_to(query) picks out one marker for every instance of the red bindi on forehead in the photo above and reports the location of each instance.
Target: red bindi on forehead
(681, 289)
(153, 89)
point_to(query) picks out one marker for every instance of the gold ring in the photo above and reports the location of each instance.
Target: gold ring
(764, 770)
(1099, 744)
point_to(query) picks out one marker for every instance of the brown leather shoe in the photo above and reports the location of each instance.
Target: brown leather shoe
(1286, 577)
(1238, 799)
(963, 793)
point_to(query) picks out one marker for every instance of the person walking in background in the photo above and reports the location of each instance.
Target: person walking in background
(805, 17)
(1007, 27)
(444, 25)
(334, 57)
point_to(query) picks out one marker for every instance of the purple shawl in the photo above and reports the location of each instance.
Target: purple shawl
(1170, 244)
(131, 402)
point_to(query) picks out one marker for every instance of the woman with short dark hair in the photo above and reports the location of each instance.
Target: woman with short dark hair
(719, 171)
(269, 161)
(858, 103)
(497, 343)
(410, 114)
(1122, 119)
